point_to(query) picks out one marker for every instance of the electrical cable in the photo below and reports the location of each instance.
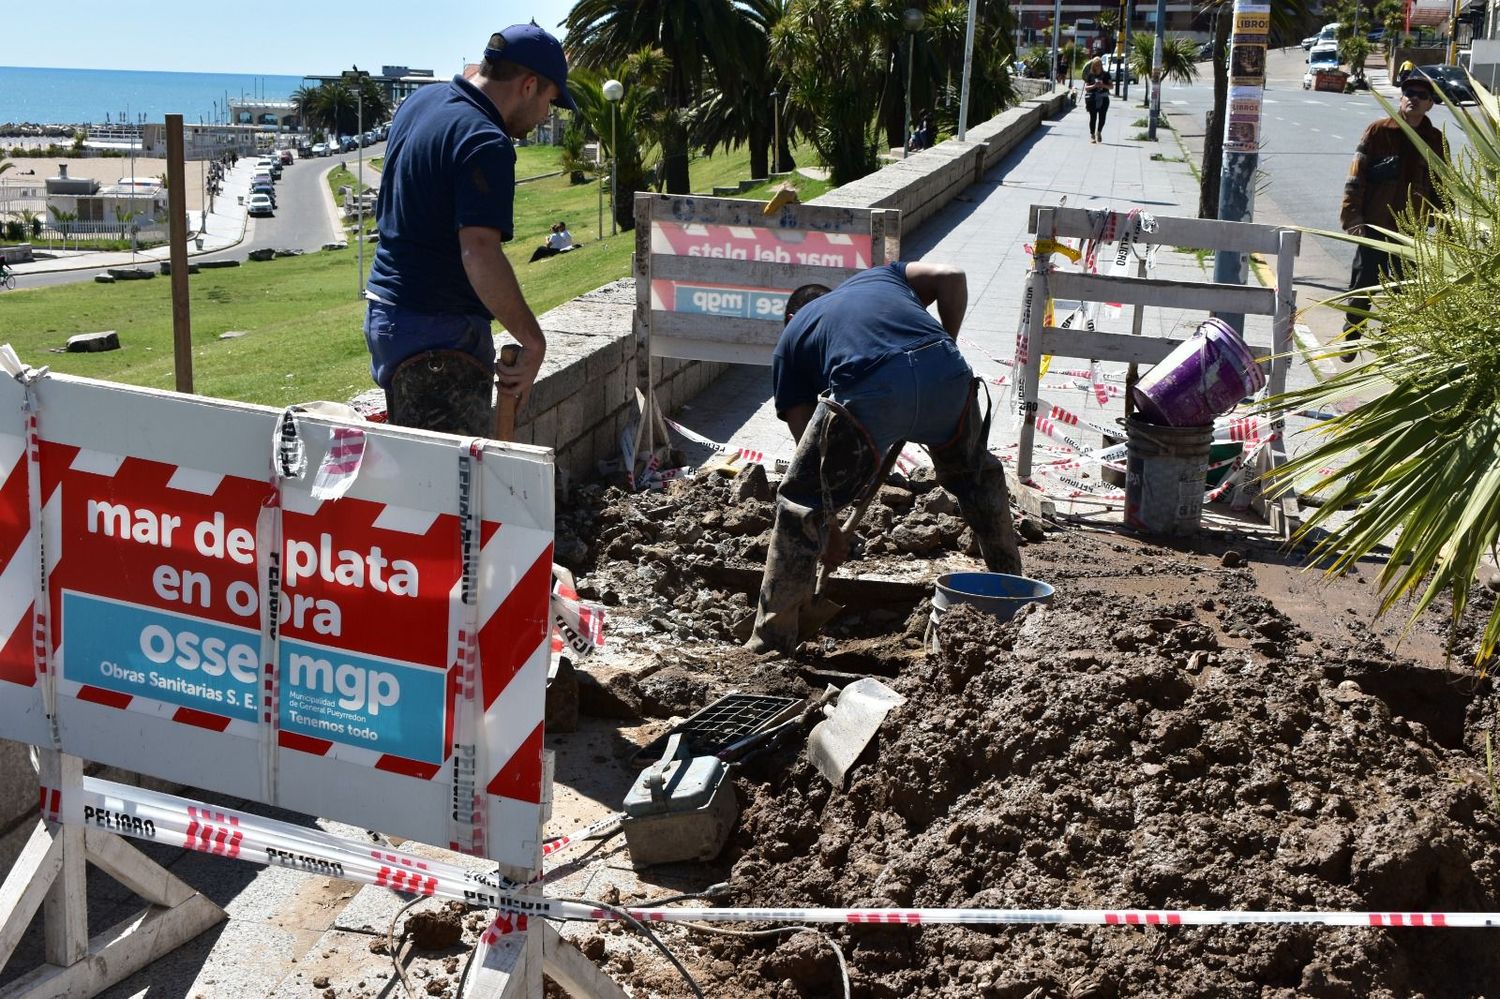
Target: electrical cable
(390, 943)
(625, 917)
(838, 952)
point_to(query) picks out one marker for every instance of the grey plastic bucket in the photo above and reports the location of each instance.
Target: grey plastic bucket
(995, 593)
(1164, 473)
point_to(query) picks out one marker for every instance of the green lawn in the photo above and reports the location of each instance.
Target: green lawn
(301, 315)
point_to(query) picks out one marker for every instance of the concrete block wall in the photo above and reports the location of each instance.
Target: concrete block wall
(925, 182)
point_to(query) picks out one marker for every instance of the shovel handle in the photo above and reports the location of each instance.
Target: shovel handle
(505, 413)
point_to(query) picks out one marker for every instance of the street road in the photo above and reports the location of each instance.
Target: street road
(300, 222)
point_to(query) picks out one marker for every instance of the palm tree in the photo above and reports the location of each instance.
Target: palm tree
(1418, 461)
(633, 124)
(838, 60)
(693, 35)
(737, 107)
(1179, 57)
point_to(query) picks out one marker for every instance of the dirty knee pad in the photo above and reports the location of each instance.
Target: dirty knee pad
(835, 459)
(443, 390)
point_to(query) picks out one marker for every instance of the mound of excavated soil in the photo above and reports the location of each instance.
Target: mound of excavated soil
(1167, 733)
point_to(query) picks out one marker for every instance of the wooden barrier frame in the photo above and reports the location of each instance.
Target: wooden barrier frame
(737, 340)
(1042, 283)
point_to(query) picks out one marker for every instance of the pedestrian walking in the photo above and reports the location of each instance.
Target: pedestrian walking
(857, 371)
(1096, 85)
(1388, 175)
(445, 208)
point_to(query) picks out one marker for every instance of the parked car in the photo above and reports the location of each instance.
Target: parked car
(320, 149)
(1323, 60)
(1378, 35)
(264, 187)
(348, 145)
(1452, 81)
(286, 157)
(1114, 66)
(1309, 42)
(1206, 50)
(260, 204)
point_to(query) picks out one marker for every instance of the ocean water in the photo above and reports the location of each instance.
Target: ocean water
(86, 96)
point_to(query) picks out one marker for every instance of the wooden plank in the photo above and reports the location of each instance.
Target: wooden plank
(760, 274)
(720, 329)
(697, 210)
(134, 869)
(65, 912)
(688, 348)
(1099, 345)
(566, 965)
(1171, 230)
(26, 885)
(502, 973)
(1199, 296)
(120, 951)
(1029, 498)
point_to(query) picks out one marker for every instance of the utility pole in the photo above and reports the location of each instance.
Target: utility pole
(1156, 68)
(1247, 79)
(963, 97)
(1125, 47)
(1056, 35)
(359, 76)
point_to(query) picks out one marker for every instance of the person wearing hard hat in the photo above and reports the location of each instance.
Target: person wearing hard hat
(440, 274)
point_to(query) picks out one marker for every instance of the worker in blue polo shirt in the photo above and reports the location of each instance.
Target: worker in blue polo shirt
(440, 274)
(858, 371)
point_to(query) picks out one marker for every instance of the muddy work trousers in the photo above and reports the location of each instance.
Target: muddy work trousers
(834, 463)
(817, 488)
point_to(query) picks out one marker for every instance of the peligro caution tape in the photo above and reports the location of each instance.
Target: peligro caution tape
(236, 834)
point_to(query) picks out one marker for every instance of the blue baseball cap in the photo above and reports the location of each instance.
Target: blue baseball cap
(531, 46)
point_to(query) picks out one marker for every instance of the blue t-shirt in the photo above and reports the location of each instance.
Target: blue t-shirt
(449, 163)
(839, 338)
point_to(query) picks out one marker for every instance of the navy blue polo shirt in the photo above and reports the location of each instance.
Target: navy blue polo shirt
(449, 164)
(836, 340)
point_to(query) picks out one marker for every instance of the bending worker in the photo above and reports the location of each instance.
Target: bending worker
(440, 273)
(857, 371)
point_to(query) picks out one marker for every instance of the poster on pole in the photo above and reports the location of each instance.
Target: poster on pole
(216, 617)
(1247, 65)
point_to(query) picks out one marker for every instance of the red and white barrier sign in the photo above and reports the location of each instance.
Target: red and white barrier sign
(378, 658)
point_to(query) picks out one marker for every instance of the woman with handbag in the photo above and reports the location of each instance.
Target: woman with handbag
(1096, 85)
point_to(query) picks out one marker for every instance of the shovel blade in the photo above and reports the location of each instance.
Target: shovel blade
(839, 739)
(812, 617)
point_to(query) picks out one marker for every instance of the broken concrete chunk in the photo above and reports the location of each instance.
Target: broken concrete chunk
(338, 244)
(166, 267)
(288, 253)
(896, 498)
(129, 273)
(1031, 530)
(232, 334)
(264, 253)
(938, 502)
(752, 483)
(216, 264)
(104, 278)
(88, 343)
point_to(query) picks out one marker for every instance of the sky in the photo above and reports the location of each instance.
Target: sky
(270, 37)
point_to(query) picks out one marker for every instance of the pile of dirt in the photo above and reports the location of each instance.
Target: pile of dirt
(1179, 728)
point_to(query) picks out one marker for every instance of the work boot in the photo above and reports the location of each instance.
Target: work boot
(976, 479)
(834, 462)
(790, 579)
(444, 390)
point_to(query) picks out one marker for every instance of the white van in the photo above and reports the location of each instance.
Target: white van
(1328, 36)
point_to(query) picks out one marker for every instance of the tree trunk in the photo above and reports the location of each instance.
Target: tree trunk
(760, 150)
(1213, 140)
(675, 160)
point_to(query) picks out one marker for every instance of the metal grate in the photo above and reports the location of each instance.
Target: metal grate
(724, 722)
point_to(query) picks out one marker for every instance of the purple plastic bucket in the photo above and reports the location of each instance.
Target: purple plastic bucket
(1206, 376)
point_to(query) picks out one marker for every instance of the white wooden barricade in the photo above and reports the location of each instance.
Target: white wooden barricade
(1053, 223)
(397, 683)
(712, 275)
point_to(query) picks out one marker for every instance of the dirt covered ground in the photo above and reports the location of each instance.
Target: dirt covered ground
(1202, 726)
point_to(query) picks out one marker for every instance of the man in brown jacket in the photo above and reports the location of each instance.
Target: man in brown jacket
(1388, 174)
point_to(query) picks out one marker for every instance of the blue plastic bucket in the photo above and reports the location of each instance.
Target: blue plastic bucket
(992, 592)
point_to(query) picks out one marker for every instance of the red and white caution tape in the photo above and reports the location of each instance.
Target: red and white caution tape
(142, 814)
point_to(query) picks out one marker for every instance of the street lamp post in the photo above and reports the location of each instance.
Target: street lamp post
(359, 76)
(911, 20)
(613, 91)
(775, 131)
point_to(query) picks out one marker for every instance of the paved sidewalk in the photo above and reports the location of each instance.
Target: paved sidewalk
(984, 231)
(225, 228)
